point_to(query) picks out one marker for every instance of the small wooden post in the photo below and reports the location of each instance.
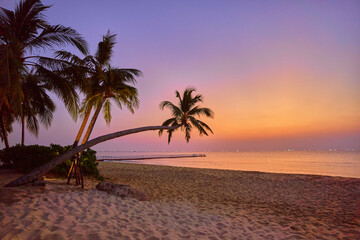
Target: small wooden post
(76, 170)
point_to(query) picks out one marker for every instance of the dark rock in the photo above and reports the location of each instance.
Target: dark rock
(40, 181)
(121, 190)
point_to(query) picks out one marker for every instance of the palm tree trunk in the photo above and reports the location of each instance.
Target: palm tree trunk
(4, 132)
(76, 142)
(76, 164)
(22, 130)
(27, 178)
(82, 127)
(93, 120)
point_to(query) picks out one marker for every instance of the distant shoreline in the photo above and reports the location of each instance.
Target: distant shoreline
(217, 169)
(310, 163)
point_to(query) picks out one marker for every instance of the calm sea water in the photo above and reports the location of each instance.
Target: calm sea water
(346, 164)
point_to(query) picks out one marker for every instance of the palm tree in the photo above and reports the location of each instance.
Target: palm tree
(98, 81)
(185, 112)
(21, 32)
(112, 87)
(48, 166)
(36, 105)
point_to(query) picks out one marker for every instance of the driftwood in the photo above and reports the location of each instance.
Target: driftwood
(121, 190)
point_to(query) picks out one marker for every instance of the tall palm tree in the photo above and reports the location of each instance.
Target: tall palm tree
(99, 82)
(22, 32)
(36, 105)
(48, 166)
(185, 112)
(114, 86)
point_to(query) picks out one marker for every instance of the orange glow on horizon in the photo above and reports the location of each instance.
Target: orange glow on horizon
(286, 103)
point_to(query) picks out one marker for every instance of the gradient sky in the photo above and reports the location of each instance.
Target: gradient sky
(278, 74)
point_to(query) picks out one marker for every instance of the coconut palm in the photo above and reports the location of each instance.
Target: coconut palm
(48, 166)
(99, 82)
(22, 32)
(185, 112)
(114, 86)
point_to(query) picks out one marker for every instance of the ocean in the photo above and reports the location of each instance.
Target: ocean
(345, 164)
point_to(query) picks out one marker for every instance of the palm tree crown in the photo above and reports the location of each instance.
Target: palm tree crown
(25, 30)
(184, 114)
(115, 86)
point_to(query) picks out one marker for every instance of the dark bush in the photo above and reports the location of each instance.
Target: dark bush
(27, 158)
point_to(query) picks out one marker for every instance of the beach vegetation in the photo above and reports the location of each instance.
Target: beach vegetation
(27, 158)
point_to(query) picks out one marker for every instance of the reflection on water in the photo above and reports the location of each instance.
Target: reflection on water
(346, 164)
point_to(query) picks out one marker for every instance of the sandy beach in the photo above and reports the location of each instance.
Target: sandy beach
(185, 203)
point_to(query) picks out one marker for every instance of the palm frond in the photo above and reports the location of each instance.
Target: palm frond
(59, 35)
(187, 99)
(62, 88)
(107, 111)
(105, 48)
(32, 124)
(201, 111)
(196, 124)
(176, 111)
(167, 122)
(187, 132)
(205, 126)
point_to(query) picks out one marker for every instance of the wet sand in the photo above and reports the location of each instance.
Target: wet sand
(185, 203)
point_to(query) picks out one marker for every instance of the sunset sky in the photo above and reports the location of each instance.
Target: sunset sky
(277, 74)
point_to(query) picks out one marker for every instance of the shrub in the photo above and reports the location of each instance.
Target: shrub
(27, 158)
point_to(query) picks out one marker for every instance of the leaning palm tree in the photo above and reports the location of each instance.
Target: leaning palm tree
(179, 123)
(22, 32)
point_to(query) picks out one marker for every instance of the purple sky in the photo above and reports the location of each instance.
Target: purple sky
(278, 74)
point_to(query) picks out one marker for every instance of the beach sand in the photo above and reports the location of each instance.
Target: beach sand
(186, 203)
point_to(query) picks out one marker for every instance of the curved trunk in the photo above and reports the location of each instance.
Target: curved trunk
(4, 132)
(50, 165)
(75, 166)
(77, 139)
(82, 127)
(93, 120)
